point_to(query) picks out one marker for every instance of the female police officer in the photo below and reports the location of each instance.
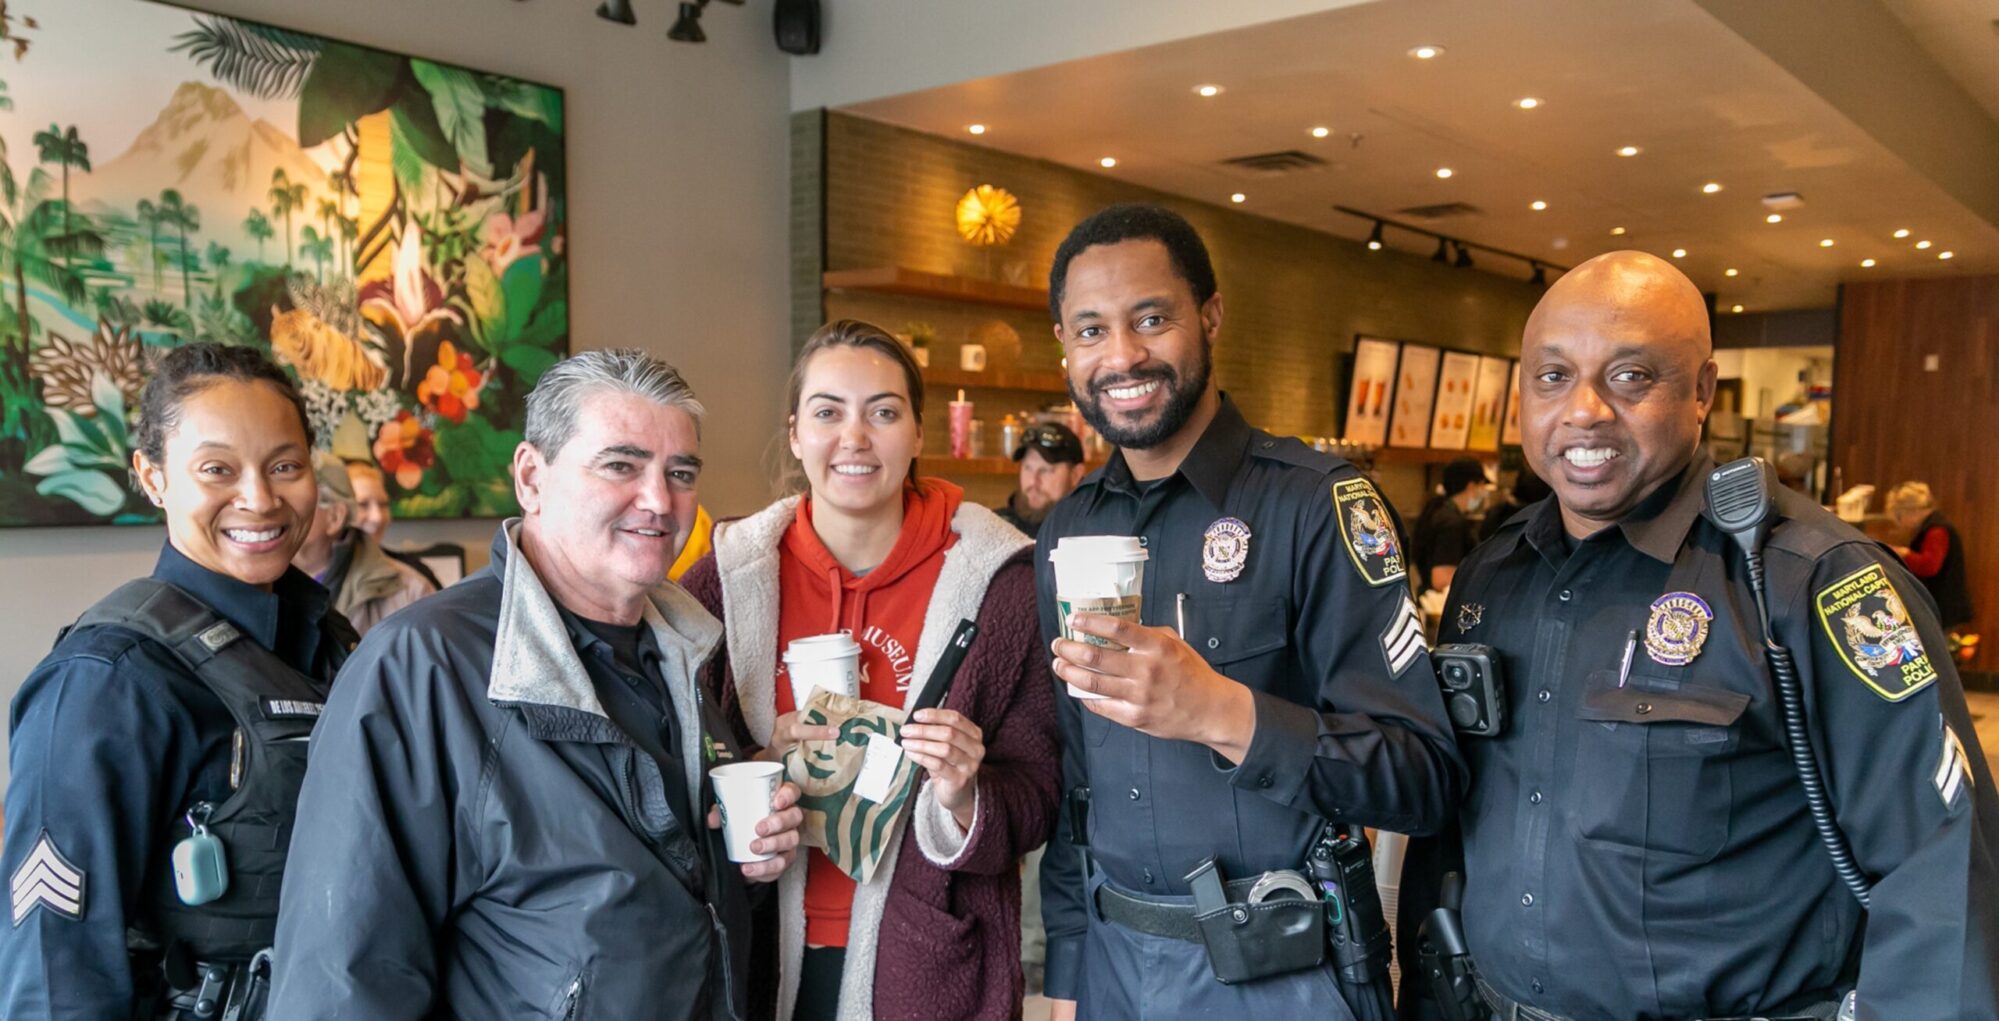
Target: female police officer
(157, 751)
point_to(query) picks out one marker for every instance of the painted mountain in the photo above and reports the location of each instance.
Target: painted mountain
(389, 229)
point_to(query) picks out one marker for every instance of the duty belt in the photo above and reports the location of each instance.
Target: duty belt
(1170, 919)
(1507, 1009)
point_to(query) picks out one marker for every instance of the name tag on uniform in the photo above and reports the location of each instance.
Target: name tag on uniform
(292, 709)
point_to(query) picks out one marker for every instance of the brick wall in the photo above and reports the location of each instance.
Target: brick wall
(1295, 297)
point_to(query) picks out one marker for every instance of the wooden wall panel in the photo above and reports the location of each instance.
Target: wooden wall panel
(1894, 421)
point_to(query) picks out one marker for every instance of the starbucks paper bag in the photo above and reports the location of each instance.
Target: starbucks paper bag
(855, 788)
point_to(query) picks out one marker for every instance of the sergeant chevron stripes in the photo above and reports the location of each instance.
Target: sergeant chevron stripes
(1954, 771)
(1404, 638)
(45, 879)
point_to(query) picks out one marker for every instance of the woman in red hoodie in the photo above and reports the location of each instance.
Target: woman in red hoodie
(896, 561)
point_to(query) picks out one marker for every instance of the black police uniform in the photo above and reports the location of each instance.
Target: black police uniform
(114, 738)
(1637, 841)
(1312, 612)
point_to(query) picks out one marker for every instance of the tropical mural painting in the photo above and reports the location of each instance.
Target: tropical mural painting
(388, 228)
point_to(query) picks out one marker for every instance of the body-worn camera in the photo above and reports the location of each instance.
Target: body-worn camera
(1474, 691)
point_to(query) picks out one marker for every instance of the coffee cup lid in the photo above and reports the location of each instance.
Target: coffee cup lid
(1102, 548)
(831, 646)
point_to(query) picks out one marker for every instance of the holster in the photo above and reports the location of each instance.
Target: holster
(1248, 941)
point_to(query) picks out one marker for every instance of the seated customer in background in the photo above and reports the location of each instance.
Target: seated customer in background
(371, 514)
(1934, 552)
(1445, 531)
(366, 583)
(1528, 488)
(1051, 463)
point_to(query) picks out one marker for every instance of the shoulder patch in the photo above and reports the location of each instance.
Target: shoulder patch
(1368, 531)
(1870, 628)
(45, 879)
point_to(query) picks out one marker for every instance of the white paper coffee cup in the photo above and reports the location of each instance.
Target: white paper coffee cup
(744, 791)
(1101, 574)
(830, 661)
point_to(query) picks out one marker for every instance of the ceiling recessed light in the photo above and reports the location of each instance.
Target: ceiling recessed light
(1731, 272)
(1426, 52)
(1774, 218)
(1629, 150)
(1321, 132)
(1617, 232)
(1944, 255)
(1207, 91)
(1920, 245)
(1825, 242)
(1238, 198)
(1735, 308)
(1679, 253)
(1867, 264)
(1711, 187)
(1443, 171)
(1537, 205)
(1904, 232)
(1107, 162)
(976, 129)
(1527, 102)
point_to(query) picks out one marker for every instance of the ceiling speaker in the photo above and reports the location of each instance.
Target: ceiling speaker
(797, 26)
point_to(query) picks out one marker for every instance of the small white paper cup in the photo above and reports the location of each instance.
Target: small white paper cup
(745, 790)
(830, 661)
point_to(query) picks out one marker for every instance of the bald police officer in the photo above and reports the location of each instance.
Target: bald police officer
(1638, 841)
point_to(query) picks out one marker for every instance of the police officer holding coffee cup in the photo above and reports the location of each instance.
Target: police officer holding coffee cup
(1273, 689)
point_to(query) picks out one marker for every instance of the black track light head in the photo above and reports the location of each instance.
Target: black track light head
(687, 27)
(619, 11)
(1540, 277)
(1464, 257)
(1374, 238)
(1442, 254)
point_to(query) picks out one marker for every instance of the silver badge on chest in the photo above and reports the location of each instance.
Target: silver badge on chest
(1225, 549)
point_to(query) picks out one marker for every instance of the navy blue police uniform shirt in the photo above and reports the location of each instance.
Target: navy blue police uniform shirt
(111, 737)
(1637, 843)
(1292, 567)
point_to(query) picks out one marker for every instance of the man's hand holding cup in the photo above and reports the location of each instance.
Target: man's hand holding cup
(1152, 681)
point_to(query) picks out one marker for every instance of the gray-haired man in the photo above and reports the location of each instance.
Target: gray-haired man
(506, 812)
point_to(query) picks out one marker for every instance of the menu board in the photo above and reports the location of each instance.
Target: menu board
(1450, 424)
(1415, 393)
(1488, 403)
(1509, 434)
(1367, 397)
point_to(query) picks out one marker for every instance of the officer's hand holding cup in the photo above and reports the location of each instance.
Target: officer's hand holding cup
(1149, 679)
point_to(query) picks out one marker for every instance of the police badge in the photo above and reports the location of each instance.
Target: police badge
(1677, 628)
(1225, 549)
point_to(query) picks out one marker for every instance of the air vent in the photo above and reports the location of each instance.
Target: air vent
(1441, 211)
(1285, 162)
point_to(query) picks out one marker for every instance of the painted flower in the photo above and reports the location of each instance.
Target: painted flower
(65, 368)
(451, 387)
(404, 447)
(512, 238)
(408, 312)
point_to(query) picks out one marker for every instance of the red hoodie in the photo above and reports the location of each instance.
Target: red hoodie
(884, 611)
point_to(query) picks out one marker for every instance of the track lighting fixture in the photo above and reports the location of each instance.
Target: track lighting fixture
(1442, 254)
(619, 11)
(1540, 277)
(687, 27)
(1464, 256)
(1374, 238)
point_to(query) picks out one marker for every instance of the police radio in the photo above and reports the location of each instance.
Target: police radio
(1739, 503)
(1474, 692)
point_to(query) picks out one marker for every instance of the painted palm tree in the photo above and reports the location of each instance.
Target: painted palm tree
(319, 249)
(258, 226)
(218, 255)
(350, 229)
(149, 215)
(286, 199)
(183, 217)
(340, 181)
(328, 214)
(35, 244)
(64, 148)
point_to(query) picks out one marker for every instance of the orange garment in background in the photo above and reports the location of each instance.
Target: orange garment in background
(884, 611)
(699, 544)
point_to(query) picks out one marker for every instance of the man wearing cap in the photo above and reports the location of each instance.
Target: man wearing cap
(1445, 531)
(367, 584)
(1051, 463)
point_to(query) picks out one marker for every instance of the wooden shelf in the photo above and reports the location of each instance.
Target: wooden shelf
(997, 379)
(915, 283)
(949, 466)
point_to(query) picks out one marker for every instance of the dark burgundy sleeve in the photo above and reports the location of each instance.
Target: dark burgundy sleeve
(1927, 558)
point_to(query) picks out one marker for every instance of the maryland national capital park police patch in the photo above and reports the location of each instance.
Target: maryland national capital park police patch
(1870, 626)
(1368, 531)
